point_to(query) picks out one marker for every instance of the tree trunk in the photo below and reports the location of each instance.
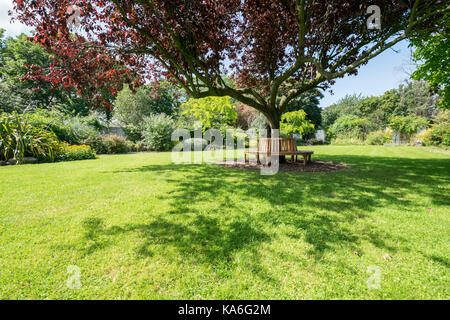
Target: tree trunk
(274, 119)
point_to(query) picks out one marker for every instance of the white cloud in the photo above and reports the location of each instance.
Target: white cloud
(12, 29)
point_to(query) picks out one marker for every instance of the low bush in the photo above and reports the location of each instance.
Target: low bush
(347, 141)
(313, 142)
(67, 152)
(193, 142)
(114, 144)
(84, 134)
(138, 146)
(76, 131)
(19, 139)
(133, 132)
(379, 137)
(157, 132)
(437, 135)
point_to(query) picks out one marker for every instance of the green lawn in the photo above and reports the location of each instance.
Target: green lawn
(140, 227)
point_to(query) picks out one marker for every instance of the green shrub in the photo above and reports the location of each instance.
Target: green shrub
(67, 152)
(296, 122)
(158, 132)
(19, 139)
(439, 134)
(133, 132)
(93, 121)
(314, 142)
(139, 146)
(349, 128)
(407, 125)
(348, 141)
(114, 144)
(75, 131)
(51, 121)
(84, 134)
(379, 137)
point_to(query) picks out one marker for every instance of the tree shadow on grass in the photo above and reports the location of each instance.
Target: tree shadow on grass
(202, 240)
(317, 207)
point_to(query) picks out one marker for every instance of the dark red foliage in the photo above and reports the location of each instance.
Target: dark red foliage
(275, 50)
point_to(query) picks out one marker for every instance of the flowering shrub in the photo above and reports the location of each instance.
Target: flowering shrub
(67, 152)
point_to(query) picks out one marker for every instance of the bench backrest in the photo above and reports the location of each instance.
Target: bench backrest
(284, 144)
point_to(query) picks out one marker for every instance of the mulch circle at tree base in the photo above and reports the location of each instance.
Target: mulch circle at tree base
(314, 166)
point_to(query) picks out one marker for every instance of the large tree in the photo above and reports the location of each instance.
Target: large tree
(433, 54)
(275, 50)
(17, 93)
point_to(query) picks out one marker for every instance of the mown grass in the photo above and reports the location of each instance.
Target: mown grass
(140, 227)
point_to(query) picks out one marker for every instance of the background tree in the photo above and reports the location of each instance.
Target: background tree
(212, 112)
(349, 127)
(345, 106)
(308, 102)
(433, 54)
(18, 93)
(407, 125)
(131, 107)
(277, 50)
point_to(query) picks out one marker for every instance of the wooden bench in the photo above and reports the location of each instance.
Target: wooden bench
(287, 146)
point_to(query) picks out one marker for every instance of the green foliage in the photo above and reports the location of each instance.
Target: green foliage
(75, 130)
(296, 122)
(407, 125)
(51, 121)
(350, 127)
(114, 144)
(260, 122)
(212, 112)
(84, 134)
(138, 146)
(158, 132)
(433, 54)
(131, 108)
(133, 132)
(348, 140)
(379, 137)
(19, 139)
(345, 106)
(67, 152)
(416, 99)
(309, 102)
(439, 133)
(411, 98)
(17, 94)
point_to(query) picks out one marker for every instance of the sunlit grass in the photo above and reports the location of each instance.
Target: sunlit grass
(139, 226)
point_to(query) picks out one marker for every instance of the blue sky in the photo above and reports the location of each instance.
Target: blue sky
(384, 72)
(381, 74)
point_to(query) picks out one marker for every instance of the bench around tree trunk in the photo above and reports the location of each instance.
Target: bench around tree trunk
(286, 146)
